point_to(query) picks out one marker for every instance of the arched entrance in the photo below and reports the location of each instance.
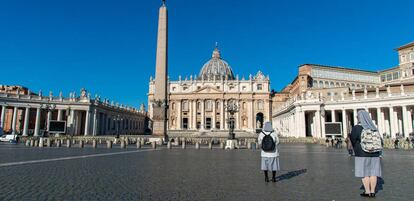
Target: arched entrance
(259, 121)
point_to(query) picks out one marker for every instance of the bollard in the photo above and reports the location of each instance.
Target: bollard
(27, 143)
(254, 145)
(81, 144)
(169, 145)
(154, 145)
(126, 141)
(68, 143)
(41, 142)
(48, 142)
(210, 145)
(58, 143)
(32, 142)
(222, 146)
(100, 141)
(183, 144)
(249, 145)
(61, 141)
(197, 145)
(36, 143)
(123, 144)
(138, 145)
(94, 144)
(109, 144)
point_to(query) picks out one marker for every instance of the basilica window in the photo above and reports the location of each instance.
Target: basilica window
(209, 106)
(244, 106)
(259, 87)
(173, 106)
(185, 106)
(218, 106)
(260, 105)
(198, 106)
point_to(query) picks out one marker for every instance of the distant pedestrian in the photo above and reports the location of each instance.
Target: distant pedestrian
(349, 146)
(366, 142)
(327, 142)
(332, 142)
(270, 154)
(396, 142)
(412, 141)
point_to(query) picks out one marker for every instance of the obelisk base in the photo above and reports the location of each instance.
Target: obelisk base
(159, 121)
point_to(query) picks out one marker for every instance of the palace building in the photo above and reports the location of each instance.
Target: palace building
(321, 97)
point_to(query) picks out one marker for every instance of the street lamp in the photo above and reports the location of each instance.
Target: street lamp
(231, 108)
(48, 107)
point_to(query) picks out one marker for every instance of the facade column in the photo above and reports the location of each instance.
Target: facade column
(26, 121)
(222, 115)
(37, 123)
(344, 124)
(87, 116)
(301, 123)
(15, 110)
(237, 126)
(179, 118)
(250, 113)
(226, 127)
(194, 114)
(405, 121)
(3, 114)
(392, 121)
(59, 116)
(203, 115)
(95, 123)
(333, 117)
(355, 114)
(190, 114)
(213, 124)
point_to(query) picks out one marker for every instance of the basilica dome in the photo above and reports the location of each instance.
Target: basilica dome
(216, 68)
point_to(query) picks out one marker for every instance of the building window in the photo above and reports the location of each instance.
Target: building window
(173, 106)
(412, 56)
(382, 78)
(396, 75)
(260, 105)
(185, 88)
(209, 106)
(412, 71)
(259, 87)
(389, 77)
(403, 59)
(185, 106)
(198, 87)
(244, 88)
(174, 88)
(217, 87)
(244, 106)
(198, 106)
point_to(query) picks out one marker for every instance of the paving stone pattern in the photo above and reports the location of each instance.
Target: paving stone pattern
(309, 172)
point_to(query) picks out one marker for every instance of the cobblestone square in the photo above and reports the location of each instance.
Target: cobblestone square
(309, 172)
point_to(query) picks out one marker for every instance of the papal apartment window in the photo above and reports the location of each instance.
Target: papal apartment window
(185, 88)
(244, 88)
(412, 56)
(396, 75)
(389, 77)
(173, 89)
(382, 78)
(259, 86)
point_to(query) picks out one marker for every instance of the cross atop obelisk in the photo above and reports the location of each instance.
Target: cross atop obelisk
(160, 102)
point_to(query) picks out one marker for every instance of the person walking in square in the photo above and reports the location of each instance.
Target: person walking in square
(367, 144)
(269, 141)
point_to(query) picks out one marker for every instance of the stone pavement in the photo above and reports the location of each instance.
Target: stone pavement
(309, 172)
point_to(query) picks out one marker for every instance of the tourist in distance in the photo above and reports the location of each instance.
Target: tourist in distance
(349, 146)
(269, 141)
(367, 144)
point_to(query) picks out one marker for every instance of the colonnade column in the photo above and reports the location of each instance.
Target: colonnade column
(14, 120)
(95, 122)
(26, 121)
(190, 112)
(3, 114)
(355, 117)
(49, 117)
(333, 117)
(59, 116)
(87, 115)
(251, 116)
(380, 121)
(344, 123)
(405, 121)
(410, 120)
(392, 121)
(225, 116)
(37, 123)
(322, 125)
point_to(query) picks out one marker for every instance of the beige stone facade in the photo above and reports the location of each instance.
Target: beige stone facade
(197, 103)
(321, 96)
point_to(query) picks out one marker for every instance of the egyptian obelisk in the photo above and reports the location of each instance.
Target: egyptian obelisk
(161, 71)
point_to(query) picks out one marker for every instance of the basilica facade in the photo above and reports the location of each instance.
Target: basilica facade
(198, 103)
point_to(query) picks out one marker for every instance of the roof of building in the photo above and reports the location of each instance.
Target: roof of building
(340, 68)
(405, 46)
(216, 68)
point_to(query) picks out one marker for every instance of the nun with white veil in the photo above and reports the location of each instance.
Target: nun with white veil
(367, 165)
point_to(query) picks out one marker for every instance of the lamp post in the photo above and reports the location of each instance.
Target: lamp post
(231, 108)
(48, 107)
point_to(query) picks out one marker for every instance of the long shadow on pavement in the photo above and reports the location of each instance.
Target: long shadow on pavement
(290, 175)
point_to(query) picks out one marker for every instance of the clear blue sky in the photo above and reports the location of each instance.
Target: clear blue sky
(108, 46)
